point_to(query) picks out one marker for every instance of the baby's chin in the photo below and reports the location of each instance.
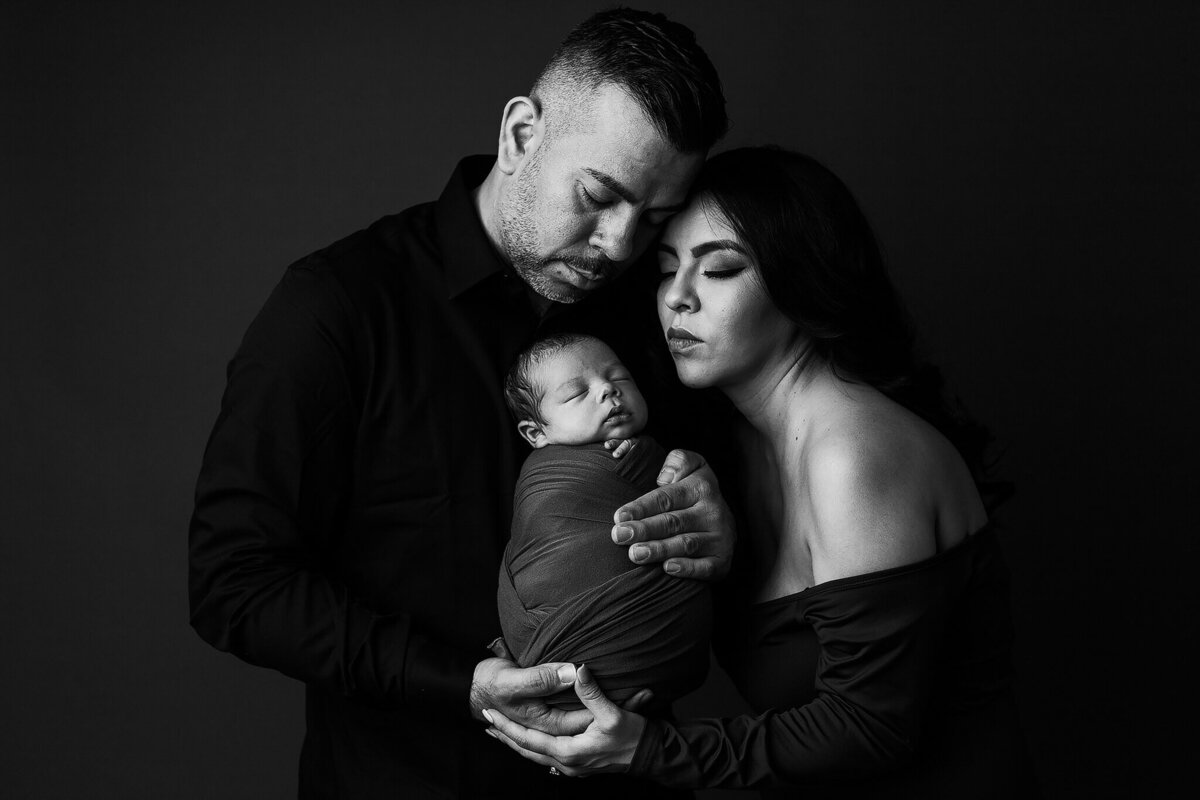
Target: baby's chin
(626, 430)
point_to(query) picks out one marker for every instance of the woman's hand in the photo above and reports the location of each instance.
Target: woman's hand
(607, 745)
(684, 523)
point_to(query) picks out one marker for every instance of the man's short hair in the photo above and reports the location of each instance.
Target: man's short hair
(656, 61)
(521, 393)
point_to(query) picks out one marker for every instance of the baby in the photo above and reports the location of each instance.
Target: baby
(567, 593)
(572, 389)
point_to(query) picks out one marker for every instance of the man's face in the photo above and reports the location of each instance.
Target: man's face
(588, 396)
(589, 197)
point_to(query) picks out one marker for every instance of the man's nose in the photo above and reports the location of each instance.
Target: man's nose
(615, 233)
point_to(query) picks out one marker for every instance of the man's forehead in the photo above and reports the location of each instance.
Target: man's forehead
(610, 134)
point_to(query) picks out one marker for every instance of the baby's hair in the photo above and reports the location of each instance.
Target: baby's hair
(522, 396)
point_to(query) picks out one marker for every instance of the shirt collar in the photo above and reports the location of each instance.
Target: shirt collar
(467, 251)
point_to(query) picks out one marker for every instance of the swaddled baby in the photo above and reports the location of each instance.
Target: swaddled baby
(567, 593)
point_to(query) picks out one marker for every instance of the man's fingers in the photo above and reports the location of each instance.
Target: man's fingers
(500, 649)
(686, 545)
(673, 497)
(556, 722)
(678, 465)
(544, 679)
(704, 569)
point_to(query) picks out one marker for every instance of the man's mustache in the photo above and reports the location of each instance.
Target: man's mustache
(601, 265)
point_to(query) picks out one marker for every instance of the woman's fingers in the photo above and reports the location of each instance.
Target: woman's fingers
(592, 696)
(638, 701)
(529, 742)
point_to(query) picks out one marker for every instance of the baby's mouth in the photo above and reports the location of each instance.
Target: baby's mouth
(618, 413)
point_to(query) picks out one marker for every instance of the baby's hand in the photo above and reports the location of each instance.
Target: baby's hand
(620, 447)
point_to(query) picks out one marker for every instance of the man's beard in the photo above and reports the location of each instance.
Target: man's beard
(519, 239)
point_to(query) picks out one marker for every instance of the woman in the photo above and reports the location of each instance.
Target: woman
(874, 639)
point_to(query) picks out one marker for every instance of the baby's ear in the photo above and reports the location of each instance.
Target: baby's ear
(532, 432)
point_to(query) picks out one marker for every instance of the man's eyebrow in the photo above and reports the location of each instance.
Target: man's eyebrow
(619, 189)
(706, 248)
(612, 184)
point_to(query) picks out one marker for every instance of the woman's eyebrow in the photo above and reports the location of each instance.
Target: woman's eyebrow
(720, 244)
(705, 248)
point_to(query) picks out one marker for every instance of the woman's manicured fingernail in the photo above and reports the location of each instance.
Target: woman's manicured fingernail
(487, 715)
(622, 534)
(491, 733)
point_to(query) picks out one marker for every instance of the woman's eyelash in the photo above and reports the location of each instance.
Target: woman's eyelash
(723, 273)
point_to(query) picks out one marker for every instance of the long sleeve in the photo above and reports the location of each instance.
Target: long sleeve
(270, 501)
(880, 639)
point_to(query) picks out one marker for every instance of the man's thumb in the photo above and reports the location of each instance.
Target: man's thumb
(547, 679)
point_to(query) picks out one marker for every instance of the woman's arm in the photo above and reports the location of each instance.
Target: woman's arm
(878, 638)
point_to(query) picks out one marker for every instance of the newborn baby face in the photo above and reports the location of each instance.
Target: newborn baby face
(588, 396)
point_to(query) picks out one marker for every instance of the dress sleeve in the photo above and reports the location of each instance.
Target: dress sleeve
(878, 640)
(271, 492)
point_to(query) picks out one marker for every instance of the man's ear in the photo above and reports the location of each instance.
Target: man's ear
(521, 132)
(532, 432)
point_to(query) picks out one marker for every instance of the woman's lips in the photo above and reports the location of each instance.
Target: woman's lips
(680, 340)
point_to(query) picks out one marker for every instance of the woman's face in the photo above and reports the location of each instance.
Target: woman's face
(720, 325)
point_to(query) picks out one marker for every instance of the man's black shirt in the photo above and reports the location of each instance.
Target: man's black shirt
(355, 495)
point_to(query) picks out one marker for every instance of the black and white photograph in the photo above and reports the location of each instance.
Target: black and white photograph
(666, 399)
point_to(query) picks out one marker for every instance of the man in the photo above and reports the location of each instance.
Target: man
(356, 490)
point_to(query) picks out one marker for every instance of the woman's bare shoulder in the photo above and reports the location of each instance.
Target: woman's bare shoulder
(873, 474)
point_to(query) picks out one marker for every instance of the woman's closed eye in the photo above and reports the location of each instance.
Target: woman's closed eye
(721, 274)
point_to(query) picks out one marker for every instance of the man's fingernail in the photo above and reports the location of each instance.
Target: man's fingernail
(639, 553)
(566, 674)
(666, 476)
(487, 715)
(671, 567)
(624, 516)
(621, 534)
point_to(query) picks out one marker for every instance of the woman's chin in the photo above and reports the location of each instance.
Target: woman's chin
(693, 379)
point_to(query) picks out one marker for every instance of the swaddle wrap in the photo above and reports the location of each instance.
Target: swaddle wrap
(567, 593)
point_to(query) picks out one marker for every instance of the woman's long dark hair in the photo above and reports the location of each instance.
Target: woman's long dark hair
(824, 270)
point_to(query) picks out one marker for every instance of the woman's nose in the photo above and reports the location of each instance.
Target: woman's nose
(680, 294)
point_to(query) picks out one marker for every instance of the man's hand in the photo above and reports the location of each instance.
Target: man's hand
(520, 695)
(684, 523)
(608, 744)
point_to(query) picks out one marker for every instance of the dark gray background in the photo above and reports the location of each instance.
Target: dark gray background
(1031, 170)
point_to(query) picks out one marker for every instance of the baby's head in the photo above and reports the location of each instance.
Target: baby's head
(572, 389)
